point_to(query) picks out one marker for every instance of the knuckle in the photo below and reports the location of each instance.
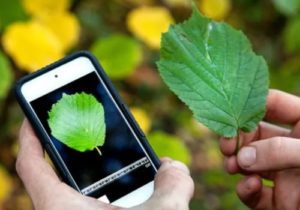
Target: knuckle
(173, 205)
(176, 176)
(272, 99)
(276, 143)
(276, 147)
(20, 166)
(180, 185)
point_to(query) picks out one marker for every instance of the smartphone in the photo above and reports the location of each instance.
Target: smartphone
(120, 167)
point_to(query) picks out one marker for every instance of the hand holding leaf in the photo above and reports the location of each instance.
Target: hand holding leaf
(78, 121)
(212, 68)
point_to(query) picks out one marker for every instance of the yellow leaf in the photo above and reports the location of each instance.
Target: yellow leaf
(215, 9)
(40, 8)
(65, 26)
(148, 23)
(142, 118)
(5, 183)
(31, 45)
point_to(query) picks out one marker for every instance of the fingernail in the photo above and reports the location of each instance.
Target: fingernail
(247, 156)
(249, 183)
(226, 139)
(180, 166)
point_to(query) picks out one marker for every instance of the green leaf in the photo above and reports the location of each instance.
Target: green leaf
(10, 11)
(287, 7)
(78, 121)
(291, 35)
(119, 55)
(212, 68)
(6, 76)
(166, 145)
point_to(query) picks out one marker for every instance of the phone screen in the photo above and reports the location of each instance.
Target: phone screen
(123, 164)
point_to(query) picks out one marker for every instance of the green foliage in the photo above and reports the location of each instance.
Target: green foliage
(10, 11)
(118, 54)
(212, 68)
(229, 201)
(291, 35)
(287, 77)
(221, 187)
(78, 121)
(287, 7)
(218, 178)
(166, 145)
(268, 183)
(6, 76)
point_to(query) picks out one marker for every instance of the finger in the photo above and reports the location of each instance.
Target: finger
(27, 141)
(263, 131)
(231, 165)
(34, 171)
(288, 196)
(295, 133)
(282, 107)
(165, 159)
(252, 192)
(227, 146)
(173, 186)
(270, 154)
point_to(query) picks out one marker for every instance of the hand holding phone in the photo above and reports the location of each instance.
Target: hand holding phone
(173, 185)
(88, 132)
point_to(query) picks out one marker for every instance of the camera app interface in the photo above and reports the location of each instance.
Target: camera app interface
(98, 147)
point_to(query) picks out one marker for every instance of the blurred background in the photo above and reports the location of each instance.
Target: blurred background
(125, 37)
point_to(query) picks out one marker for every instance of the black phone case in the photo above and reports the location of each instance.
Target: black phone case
(43, 136)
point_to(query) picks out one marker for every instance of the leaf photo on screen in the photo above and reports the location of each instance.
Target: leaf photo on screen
(78, 121)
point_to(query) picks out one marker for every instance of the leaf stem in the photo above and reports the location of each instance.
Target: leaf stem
(98, 150)
(237, 147)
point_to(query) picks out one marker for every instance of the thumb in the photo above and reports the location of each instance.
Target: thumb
(174, 187)
(36, 174)
(270, 154)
